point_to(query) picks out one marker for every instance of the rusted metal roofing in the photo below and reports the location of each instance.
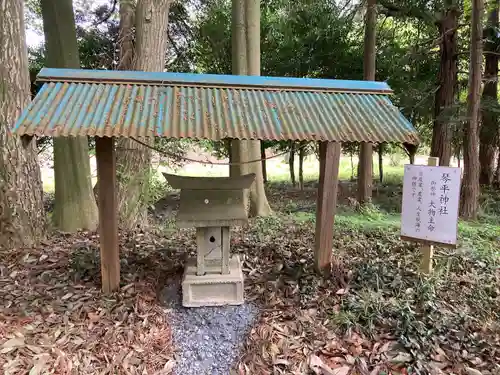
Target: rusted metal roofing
(174, 105)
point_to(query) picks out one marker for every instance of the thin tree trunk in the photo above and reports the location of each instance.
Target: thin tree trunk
(239, 67)
(470, 188)
(381, 162)
(126, 62)
(22, 217)
(489, 128)
(442, 132)
(291, 163)
(302, 153)
(365, 177)
(75, 206)
(259, 206)
(133, 161)
(126, 35)
(263, 157)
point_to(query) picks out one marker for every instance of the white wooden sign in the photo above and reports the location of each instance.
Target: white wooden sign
(430, 203)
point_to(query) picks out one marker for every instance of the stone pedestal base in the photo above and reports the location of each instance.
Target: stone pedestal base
(213, 288)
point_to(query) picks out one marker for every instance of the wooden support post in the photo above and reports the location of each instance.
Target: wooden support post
(428, 250)
(108, 216)
(329, 156)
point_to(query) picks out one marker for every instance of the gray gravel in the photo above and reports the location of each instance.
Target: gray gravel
(208, 340)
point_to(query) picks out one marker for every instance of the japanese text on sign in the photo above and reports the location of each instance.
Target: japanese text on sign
(430, 203)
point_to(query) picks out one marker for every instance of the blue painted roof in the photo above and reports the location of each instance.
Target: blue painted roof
(165, 78)
(83, 103)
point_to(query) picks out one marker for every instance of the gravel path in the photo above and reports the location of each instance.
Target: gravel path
(207, 339)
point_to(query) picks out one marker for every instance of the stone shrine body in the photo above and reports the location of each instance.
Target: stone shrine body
(212, 205)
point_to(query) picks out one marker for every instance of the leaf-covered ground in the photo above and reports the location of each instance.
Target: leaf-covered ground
(374, 315)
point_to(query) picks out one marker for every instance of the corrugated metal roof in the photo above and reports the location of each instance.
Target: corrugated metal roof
(215, 111)
(213, 80)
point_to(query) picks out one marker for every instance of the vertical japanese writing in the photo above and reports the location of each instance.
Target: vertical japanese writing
(431, 224)
(444, 198)
(418, 218)
(414, 186)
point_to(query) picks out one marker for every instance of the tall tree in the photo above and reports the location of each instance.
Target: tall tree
(442, 132)
(75, 206)
(470, 189)
(239, 67)
(259, 206)
(489, 127)
(22, 218)
(244, 45)
(126, 35)
(448, 12)
(133, 159)
(365, 177)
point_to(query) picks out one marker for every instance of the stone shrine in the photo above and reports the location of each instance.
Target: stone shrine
(212, 205)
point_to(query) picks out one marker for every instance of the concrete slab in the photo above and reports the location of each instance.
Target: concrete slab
(213, 289)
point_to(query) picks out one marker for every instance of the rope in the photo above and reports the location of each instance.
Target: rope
(174, 156)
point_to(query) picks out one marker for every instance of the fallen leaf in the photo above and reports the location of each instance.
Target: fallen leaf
(12, 344)
(344, 370)
(320, 368)
(40, 365)
(169, 366)
(283, 362)
(402, 357)
(472, 371)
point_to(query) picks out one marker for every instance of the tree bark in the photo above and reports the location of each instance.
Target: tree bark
(291, 163)
(239, 67)
(489, 128)
(259, 206)
(75, 206)
(381, 162)
(470, 187)
(302, 153)
(133, 160)
(442, 132)
(263, 157)
(498, 170)
(365, 170)
(126, 35)
(22, 217)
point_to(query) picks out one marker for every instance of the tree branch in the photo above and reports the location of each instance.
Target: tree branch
(108, 16)
(393, 10)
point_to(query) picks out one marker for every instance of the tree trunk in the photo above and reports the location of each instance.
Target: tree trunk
(447, 80)
(126, 52)
(302, 153)
(133, 161)
(22, 217)
(75, 206)
(291, 163)
(498, 170)
(126, 35)
(263, 157)
(259, 206)
(381, 162)
(489, 128)
(470, 187)
(365, 170)
(239, 67)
